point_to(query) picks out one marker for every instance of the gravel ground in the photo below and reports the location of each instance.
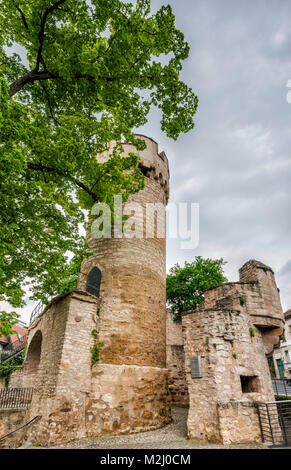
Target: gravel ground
(171, 436)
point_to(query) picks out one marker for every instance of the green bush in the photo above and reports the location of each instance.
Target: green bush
(242, 300)
(7, 367)
(186, 285)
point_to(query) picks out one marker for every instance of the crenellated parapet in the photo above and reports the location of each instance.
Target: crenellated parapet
(132, 315)
(153, 164)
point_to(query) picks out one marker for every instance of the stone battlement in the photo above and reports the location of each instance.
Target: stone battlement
(152, 163)
(257, 290)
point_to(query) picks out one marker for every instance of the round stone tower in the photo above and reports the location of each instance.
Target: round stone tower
(129, 381)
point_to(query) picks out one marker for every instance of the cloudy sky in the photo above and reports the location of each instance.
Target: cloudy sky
(236, 162)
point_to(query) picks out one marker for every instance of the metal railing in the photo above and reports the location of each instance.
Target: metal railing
(282, 387)
(15, 398)
(84, 282)
(13, 349)
(68, 286)
(36, 311)
(275, 422)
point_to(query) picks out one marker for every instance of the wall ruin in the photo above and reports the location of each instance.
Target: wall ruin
(178, 389)
(227, 333)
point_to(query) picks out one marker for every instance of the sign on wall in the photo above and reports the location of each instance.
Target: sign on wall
(196, 369)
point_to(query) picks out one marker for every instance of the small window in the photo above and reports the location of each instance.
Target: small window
(93, 282)
(19, 337)
(249, 383)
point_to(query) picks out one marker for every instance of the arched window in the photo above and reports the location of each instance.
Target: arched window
(93, 282)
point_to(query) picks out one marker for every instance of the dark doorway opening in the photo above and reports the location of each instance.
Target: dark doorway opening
(249, 383)
(94, 281)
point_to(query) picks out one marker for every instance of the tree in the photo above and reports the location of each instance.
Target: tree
(86, 73)
(186, 285)
(7, 320)
(9, 366)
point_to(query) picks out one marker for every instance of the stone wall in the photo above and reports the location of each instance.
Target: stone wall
(9, 421)
(126, 399)
(268, 309)
(178, 390)
(58, 366)
(238, 422)
(16, 378)
(132, 320)
(132, 314)
(233, 356)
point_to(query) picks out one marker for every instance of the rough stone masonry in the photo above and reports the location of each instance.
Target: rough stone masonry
(143, 359)
(232, 332)
(126, 389)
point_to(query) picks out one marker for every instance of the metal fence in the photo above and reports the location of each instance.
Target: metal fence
(12, 349)
(36, 311)
(282, 387)
(69, 284)
(275, 422)
(15, 398)
(86, 282)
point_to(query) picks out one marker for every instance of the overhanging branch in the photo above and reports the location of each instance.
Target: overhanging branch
(42, 168)
(29, 77)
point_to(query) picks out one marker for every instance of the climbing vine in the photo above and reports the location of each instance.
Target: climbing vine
(95, 353)
(252, 332)
(95, 350)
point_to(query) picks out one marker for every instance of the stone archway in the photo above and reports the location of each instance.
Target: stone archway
(32, 359)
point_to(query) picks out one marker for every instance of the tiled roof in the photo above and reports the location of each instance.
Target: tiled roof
(22, 331)
(3, 339)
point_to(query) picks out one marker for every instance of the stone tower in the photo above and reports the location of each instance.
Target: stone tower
(227, 340)
(131, 323)
(119, 304)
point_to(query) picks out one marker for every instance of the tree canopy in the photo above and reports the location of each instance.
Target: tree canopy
(75, 75)
(186, 285)
(7, 320)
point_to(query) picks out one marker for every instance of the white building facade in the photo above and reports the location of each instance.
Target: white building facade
(282, 355)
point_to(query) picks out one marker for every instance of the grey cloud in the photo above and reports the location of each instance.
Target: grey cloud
(236, 162)
(286, 269)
